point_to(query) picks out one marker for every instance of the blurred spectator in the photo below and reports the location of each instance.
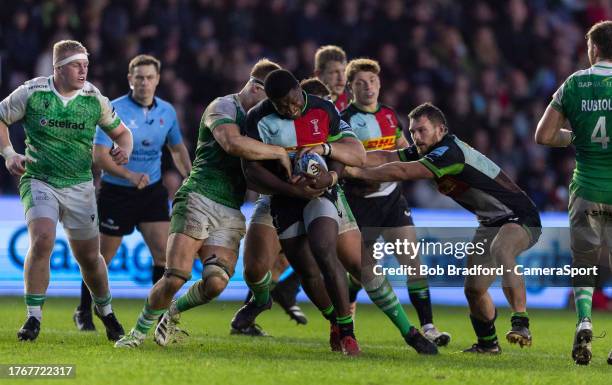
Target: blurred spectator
(491, 65)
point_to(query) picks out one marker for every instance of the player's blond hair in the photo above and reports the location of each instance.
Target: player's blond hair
(62, 48)
(143, 60)
(328, 53)
(359, 65)
(262, 68)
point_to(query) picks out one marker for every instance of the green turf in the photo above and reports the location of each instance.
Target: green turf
(298, 354)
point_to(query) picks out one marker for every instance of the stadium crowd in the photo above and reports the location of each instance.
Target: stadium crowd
(491, 65)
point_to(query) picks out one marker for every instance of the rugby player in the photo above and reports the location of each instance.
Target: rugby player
(330, 64)
(206, 218)
(307, 223)
(509, 220)
(579, 114)
(133, 195)
(380, 208)
(350, 252)
(60, 114)
(262, 251)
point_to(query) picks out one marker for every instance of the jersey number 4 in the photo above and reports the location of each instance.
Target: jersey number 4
(599, 134)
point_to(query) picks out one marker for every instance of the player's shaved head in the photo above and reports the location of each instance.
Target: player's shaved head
(600, 35)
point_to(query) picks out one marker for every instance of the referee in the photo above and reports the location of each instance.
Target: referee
(133, 195)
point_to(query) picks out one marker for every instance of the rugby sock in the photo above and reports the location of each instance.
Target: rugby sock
(103, 304)
(381, 293)
(34, 303)
(158, 272)
(485, 331)
(329, 314)
(354, 288)
(520, 318)
(346, 325)
(193, 297)
(261, 289)
(148, 317)
(86, 301)
(421, 300)
(583, 297)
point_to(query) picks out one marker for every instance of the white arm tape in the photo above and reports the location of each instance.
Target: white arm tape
(8, 152)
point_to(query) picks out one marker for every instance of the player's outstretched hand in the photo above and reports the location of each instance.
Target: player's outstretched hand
(119, 155)
(16, 164)
(139, 179)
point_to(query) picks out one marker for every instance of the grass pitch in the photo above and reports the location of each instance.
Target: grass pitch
(298, 354)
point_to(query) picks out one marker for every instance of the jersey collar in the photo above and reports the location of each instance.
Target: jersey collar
(150, 107)
(603, 64)
(64, 99)
(365, 111)
(305, 101)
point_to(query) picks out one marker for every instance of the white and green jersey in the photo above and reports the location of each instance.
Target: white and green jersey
(216, 174)
(585, 99)
(59, 131)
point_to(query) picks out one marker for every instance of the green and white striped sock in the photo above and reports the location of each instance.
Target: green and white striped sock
(147, 318)
(103, 304)
(192, 298)
(381, 293)
(261, 289)
(583, 297)
(34, 303)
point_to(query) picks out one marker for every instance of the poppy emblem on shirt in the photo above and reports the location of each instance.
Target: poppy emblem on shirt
(315, 127)
(161, 121)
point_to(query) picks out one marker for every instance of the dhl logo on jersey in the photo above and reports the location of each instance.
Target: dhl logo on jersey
(382, 143)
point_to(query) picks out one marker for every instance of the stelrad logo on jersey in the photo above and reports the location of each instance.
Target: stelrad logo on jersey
(62, 124)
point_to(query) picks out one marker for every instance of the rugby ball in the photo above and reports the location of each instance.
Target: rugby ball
(309, 163)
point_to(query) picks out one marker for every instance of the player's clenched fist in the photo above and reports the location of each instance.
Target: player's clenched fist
(119, 155)
(139, 179)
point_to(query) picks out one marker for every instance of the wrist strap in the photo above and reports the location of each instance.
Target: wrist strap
(326, 149)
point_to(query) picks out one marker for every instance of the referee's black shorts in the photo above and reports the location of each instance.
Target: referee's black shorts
(122, 208)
